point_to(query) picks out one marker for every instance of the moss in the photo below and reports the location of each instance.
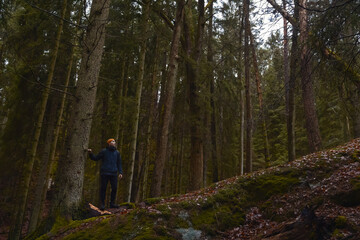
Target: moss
(180, 223)
(187, 205)
(128, 205)
(355, 155)
(228, 195)
(203, 218)
(151, 201)
(337, 234)
(263, 187)
(340, 222)
(221, 218)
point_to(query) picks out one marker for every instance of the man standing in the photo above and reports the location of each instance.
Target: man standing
(111, 170)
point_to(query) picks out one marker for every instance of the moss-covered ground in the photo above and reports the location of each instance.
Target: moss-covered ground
(276, 195)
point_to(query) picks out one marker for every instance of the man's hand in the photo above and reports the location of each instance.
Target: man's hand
(120, 176)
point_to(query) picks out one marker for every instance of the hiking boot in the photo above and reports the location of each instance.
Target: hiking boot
(113, 205)
(102, 207)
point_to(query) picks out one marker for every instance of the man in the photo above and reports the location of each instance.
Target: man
(111, 170)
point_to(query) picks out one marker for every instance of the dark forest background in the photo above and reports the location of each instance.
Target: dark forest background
(190, 90)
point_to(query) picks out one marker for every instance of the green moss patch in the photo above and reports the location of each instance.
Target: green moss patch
(263, 187)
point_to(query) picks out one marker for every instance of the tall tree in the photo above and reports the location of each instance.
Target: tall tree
(168, 102)
(193, 48)
(312, 124)
(71, 166)
(144, 30)
(248, 116)
(289, 79)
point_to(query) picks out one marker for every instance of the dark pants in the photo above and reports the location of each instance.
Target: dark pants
(103, 184)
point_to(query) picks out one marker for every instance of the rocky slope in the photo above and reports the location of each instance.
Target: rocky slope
(314, 197)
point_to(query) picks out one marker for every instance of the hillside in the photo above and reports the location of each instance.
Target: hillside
(314, 197)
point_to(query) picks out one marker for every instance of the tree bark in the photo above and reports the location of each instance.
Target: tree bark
(242, 93)
(193, 75)
(152, 108)
(168, 103)
(69, 194)
(312, 125)
(28, 168)
(248, 116)
(290, 84)
(138, 95)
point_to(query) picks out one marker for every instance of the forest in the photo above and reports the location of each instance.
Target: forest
(193, 92)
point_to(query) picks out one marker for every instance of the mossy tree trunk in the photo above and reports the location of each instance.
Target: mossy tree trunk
(71, 166)
(193, 46)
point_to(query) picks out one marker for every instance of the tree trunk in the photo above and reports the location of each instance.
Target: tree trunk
(248, 117)
(312, 125)
(25, 183)
(242, 93)
(210, 114)
(138, 95)
(120, 99)
(71, 165)
(44, 163)
(290, 82)
(152, 109)
(168, 103)
(193, 76)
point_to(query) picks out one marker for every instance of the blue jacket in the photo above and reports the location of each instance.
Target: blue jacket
(111, 161)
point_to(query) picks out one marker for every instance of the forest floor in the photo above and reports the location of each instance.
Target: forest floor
(314, 197)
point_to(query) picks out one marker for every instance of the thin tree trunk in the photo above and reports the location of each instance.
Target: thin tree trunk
(71, 166)
(208, 154)
(138, 95)
(152, 109)
(248, 118)
(312, 125)
(120, 99)
(290, 87)
(242, 94)
(122, 107)
(260, 97)
(25, 183)
(44, 163)
(215, 170)
(168, 103)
